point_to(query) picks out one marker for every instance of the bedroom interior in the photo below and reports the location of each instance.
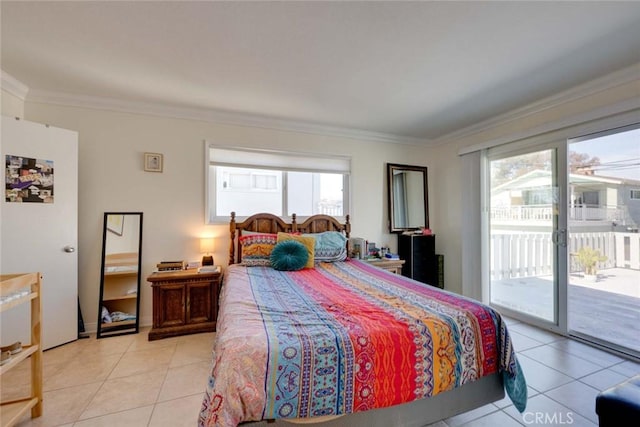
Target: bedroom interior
(125, 95)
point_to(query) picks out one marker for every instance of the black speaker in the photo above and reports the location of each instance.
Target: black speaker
(421, 262)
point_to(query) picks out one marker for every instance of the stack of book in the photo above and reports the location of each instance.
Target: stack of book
(170, 265)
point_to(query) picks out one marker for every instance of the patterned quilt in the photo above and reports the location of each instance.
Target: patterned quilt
(345, 337)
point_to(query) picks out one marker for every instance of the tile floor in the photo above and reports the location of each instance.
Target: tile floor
(563, 377)
(129, 381)
(119, 381)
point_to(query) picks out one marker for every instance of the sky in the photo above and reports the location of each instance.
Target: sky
(619, 154)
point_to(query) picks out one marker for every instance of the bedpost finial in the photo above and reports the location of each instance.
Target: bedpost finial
(232, 229)
(347, 226)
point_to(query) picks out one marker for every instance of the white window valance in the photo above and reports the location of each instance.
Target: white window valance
(279, 160)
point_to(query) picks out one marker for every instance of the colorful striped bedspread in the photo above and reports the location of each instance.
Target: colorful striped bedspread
(345, 337)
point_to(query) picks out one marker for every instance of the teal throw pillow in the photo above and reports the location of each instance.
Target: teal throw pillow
(330, 246)
(289, 255)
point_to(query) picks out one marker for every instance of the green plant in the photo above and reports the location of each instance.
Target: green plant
(588, 258)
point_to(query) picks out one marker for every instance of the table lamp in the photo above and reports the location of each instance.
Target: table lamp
(206, 247)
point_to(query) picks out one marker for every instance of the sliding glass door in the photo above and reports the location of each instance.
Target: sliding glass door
(562, 240)
(604, 242)
(526, 238)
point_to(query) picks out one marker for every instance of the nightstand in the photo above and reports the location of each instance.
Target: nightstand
(392, 265)
(184, 302)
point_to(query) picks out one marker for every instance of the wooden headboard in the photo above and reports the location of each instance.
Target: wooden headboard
(269, 223)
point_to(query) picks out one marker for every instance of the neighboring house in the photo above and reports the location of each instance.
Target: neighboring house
(631, 199)
(596, 203)
(603, 214)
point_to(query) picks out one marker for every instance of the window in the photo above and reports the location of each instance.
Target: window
(251, 181)
(634, 195)
(243, 179)
(542, 196)
(591, 198)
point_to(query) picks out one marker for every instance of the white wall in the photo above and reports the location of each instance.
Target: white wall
(128, 241)
(111, 178)
(12, 106)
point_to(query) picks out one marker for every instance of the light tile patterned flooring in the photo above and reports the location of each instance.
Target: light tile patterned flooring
(120, 381)
(563, 377)
(129, 381)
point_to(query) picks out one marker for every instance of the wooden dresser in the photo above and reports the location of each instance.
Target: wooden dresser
(184, 302)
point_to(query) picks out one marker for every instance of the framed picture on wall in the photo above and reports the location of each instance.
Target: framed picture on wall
(153, 162)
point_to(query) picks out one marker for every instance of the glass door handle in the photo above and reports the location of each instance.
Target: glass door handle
(559, 237)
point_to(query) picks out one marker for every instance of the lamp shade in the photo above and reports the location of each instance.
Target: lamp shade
(206, 245)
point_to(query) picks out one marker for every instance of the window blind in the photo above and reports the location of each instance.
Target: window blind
(279, 160)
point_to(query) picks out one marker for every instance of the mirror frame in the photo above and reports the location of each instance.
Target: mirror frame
(391, 168)
(128, 328)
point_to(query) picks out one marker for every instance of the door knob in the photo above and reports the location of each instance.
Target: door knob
(69, 249)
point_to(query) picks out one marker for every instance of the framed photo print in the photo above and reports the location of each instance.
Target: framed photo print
(153, 162)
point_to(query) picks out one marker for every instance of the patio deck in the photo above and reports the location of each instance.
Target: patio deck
(608, 309)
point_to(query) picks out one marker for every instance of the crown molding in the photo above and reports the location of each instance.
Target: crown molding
(12, 85)
(609, 81)
(620, 114)
(215, 116)
(17, 88)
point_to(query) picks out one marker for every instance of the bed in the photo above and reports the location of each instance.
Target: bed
(347, 343)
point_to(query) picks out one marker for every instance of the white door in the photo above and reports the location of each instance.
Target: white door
(42, 236)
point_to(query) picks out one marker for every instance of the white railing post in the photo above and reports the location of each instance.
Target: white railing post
(634, 251)
(531, 254)
(620, 261)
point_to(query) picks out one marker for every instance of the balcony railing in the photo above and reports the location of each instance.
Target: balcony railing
(531, 254)
(545, 212)
(597, 213)
(522, 213)
(332, 208)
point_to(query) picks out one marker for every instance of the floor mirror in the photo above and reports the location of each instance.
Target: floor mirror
(120, 275)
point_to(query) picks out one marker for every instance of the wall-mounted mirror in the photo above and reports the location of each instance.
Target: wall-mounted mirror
(120, 274)
(408, 197)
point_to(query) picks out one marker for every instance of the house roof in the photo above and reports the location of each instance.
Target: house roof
(399, 71)
(540, 178)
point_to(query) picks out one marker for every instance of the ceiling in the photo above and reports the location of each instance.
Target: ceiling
(413, 70)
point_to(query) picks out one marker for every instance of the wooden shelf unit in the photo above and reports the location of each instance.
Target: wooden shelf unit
(118, 325)
(12, 411)
(120, 277)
